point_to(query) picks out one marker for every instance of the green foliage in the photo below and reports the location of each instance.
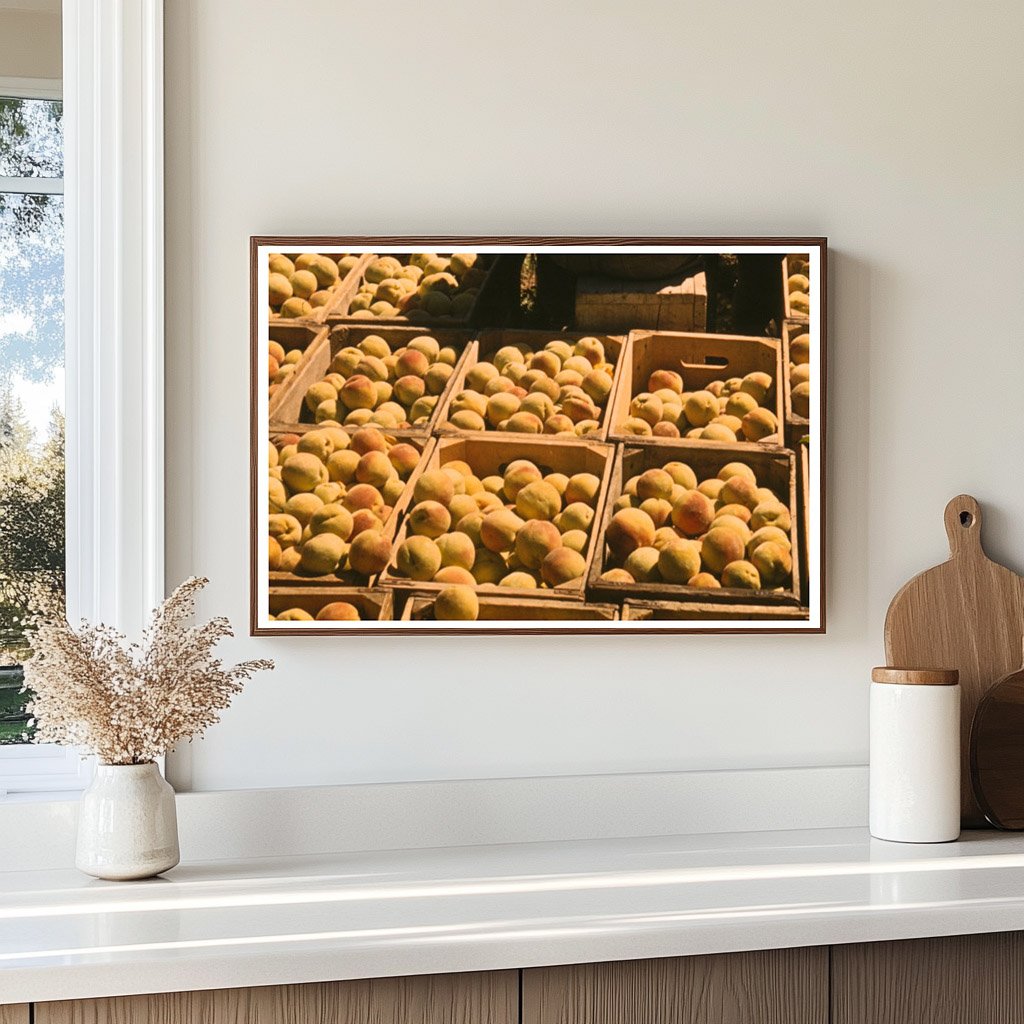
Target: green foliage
(32, 571)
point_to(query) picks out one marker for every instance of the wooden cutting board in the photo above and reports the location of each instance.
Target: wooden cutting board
(967, 614)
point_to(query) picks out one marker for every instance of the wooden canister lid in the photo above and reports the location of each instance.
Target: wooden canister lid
(916, 676)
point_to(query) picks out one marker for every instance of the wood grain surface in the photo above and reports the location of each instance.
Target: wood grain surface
(964, 979)
(967, 614)
(784, 986)
(481, 998)
(16, 1013)
(915, 676)
(997, 753)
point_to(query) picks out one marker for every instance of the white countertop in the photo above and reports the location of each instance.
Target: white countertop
(227, 924)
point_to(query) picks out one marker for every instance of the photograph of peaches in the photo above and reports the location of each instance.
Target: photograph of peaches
(518, 438)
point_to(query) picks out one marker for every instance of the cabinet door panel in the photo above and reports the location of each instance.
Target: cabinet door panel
(15, 1013)
(491, 998)
(962, 979)
(780, 986)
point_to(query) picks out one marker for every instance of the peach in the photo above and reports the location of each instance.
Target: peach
(374, 468)
(363, 496)
(341, 466)
(759, 424)
(405, 458)
(454, 574)
(700, 408)
(358, 392)
(758, 385)
(742, 575)
(429, 519)
(654, 483)
(434, 485)
(679, 561)
(719, 547)
(457, 604)
(418, 558)
(616, 576)
(693, 514)
(488, 567)
(767, 534)
(338, 611)
(583, 487)
(535, 541)
(365, 519)
(457, 549)
(737, 511)
(561, 566)
(773, 562)
(517, 475)
(524, 423)
(628, 530)
(369, 439)
(498, 530)
(659, 509)
(411, 362)
(642, 564)
(333, 518)
(705, 581)
(736, 469)
(665, 379)
(538, 500)
(370, 552)
(771, 513)
(575, 516)
(739, 490)
(681, 474)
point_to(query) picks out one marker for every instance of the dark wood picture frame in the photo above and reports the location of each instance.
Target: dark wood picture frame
(293, 243)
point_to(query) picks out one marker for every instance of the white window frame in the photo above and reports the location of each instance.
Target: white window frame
(114, 329)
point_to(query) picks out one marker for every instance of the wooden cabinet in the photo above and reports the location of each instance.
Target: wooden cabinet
(491, 998)
(963, 979)
(779, 986)
(972, 979)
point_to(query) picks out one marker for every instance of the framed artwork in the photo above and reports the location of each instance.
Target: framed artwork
(537, 435)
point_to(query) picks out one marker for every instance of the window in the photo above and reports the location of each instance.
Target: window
(32, 533)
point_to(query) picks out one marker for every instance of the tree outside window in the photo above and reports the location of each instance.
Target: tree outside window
(32, 535)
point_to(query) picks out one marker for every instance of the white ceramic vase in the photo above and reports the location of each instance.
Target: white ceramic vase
(127, 825)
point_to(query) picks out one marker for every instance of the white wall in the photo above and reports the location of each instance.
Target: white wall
(892, 128)
(29, 43)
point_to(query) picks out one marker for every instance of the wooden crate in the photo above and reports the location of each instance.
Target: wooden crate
(373, 605)
(803, 468)
(619, 305)
(675, 611)
(774, 468)
(490, 341)
(787, 312)
(291, 334)
(495, 608)
(350, 579)
(701, 359)
(796, 426)
(291, 415)
(342, 292)
(489, 454)
(497, 300)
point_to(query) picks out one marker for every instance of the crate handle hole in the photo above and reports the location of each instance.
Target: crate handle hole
(718, 362)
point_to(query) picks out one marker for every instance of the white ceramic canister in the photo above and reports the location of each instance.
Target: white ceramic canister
(915, 755)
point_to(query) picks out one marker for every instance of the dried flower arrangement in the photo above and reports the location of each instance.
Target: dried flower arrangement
(130, 703)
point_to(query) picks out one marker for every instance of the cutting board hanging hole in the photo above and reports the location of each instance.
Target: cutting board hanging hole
(963, 525)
